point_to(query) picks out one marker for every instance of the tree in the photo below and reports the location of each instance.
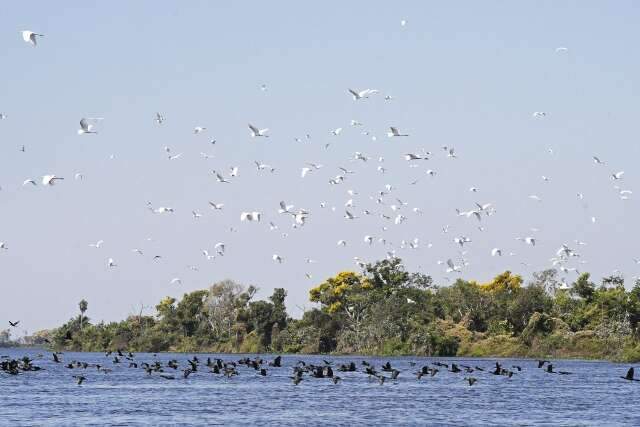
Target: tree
(222, 304)
(83, 305)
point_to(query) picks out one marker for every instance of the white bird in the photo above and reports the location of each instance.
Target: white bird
(355, 123)
(528, 240)
(473, 189)
(305, 171)
(3, 245)
(30, 37)
(462, 240)
(78, 176)
(336, 132)
(159, 118)
(616, 176)
(284, 208)
(220, 248)
(216, 206)
(349, 215)
(251, 216)
(196, 215)
(539, 114)
(368, 239)
(597, 160)
(395, 132)
(176, 281)
(496, 252)
(175, 157)
(362, 94)
(29, 181)
(535, 197)
(263, 166)
(111, 263)
(255, 132)
(402, 24)
(97, 244)
(207, 255)
(452, 266)
(162, 210)
(198, 129)
(277, 258)
(86, 127)
(222, 179)
(342, 243)
(138, 251)
(50, 179)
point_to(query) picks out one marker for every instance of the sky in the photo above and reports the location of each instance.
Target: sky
(460, 74)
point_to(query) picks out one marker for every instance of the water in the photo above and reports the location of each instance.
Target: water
(593, 395)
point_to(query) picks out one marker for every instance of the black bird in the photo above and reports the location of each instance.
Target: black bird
(168, 377)
(454, 368)
(79, 378)
(542, 362)
(263, 372)
(328, 372)
(186, 373)
(394, 374)
(14, 324)
(326, 362)
(194, 364)
(296, 380)
(55, 358)
(277, 362)
(471, 380)
(387, 367)
(120, 353)
(630, 375)
(519, 368)
(336, 379)
(381, 379)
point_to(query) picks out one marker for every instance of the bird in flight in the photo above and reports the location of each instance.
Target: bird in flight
(30, 37)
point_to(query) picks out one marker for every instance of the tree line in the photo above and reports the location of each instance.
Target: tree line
(385, 310)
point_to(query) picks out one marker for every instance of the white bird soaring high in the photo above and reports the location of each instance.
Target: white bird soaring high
(251, 216)
(30, 37)
(395, 132)
(362, 94)
(50, 179)
(86, 127)
(255, 132)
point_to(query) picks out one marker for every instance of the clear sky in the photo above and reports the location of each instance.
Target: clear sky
(467, 75)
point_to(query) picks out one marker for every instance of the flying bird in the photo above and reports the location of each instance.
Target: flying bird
(30, 37)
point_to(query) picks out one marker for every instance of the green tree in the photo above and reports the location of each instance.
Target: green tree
(83, 305)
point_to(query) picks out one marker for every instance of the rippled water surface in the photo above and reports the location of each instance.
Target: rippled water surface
(593, 395)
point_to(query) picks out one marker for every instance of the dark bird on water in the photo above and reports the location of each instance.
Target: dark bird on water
(542, 362)
(471, 380)
(55, 358)
(630, 375)
(79, 378)
(336, 379)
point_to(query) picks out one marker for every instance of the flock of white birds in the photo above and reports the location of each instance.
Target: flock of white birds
(385, 204)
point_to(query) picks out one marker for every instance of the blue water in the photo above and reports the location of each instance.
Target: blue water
(593, 395)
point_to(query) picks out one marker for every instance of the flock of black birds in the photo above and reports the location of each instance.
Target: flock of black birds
(260, 367)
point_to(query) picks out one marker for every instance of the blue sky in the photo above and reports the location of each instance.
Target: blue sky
(467, 75)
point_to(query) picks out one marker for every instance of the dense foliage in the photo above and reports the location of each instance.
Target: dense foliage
(386, 310)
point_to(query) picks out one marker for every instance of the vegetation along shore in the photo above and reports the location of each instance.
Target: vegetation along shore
(384, 310)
